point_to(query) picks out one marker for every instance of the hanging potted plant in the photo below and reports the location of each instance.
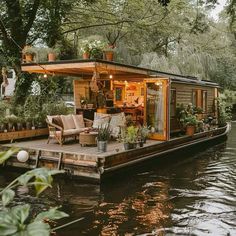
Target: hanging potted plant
(103, 137)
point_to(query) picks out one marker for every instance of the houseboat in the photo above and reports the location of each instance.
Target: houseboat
(148, 97)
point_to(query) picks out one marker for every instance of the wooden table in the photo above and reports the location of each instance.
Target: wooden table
(88, 138)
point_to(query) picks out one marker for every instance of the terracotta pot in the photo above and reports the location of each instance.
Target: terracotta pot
(51, 57)
(109, 55)
(29, 57)
(190, 130)
(86, 55)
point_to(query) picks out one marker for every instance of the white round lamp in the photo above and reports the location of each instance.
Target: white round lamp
(22, 156)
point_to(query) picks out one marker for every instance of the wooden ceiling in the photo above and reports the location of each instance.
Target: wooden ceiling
(86, 68)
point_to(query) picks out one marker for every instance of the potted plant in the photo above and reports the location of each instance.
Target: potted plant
(28, 53)
(109, 53)
(190, 122)
(28, 122)
(129, 136)
(2, 124)
(19, 123)
(103, 137)
(11, 121)
(97, 47)
(85, 48)
(144, 132)
(52, 53)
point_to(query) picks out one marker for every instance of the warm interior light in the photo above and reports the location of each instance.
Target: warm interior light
(45, 76)
(110, 76)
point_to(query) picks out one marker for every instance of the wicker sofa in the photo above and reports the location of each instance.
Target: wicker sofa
(64, 126)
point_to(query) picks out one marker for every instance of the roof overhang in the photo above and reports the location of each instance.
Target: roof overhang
(86, 68)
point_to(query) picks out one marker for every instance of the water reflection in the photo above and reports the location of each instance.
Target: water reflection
(192, 194)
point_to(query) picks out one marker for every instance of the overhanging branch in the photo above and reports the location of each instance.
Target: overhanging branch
(96, 25)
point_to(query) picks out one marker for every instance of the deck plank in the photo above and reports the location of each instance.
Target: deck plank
(72, 147)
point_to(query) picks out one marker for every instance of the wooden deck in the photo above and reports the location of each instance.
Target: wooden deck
(87, 162)
(79, 161)
(73, 147)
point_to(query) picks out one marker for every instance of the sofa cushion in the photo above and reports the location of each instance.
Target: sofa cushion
(117, 121)
(79, 121)
(57, 121)
(73, 131)
(101, 120)
(68, 122)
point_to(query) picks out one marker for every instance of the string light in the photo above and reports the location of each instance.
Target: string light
(110, 76)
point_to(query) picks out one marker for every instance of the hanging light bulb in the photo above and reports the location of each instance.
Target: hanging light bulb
(110, 76)
(45, 76)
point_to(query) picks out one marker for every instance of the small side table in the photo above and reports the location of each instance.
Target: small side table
(88, 138)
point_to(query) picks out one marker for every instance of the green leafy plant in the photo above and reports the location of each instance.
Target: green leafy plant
(144, 132)
(29, 50)
(16, 220)
(54, 50)
(225, 112)
(129, 134)
(190, 120)
(94, 46)
(104, 133)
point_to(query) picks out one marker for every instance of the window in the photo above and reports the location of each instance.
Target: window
(194, 98)
(172, 102)
(118, 93)
(204, 101)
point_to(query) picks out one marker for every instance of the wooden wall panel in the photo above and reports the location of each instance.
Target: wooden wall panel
(81, 89)
(184, 94)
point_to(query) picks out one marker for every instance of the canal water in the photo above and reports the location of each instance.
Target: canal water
(186, 194)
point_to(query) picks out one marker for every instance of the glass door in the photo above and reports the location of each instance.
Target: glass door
(156, 108)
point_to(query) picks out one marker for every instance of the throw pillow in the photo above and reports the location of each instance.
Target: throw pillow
(68, 122)
(57, 121)
(79, 121)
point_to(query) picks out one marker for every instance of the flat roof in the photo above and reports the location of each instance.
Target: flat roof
(119, 71)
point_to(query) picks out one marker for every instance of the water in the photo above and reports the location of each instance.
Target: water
(194, 194)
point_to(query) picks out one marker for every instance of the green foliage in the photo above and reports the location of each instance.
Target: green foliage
(104, 133)
(17, 220)
(190, 120)
(129, 134)
(6, 155)
(144, 131)
(186, 114)
(225, 112)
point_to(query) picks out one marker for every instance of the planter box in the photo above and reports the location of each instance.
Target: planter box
(23, 134)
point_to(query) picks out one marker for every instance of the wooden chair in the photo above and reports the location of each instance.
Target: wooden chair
(60, 132)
